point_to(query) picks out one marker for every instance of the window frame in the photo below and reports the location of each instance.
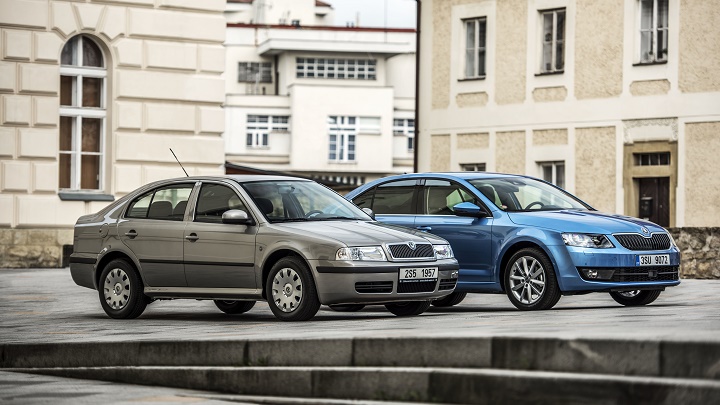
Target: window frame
(476, 48)
(153, 191)
(334, 68)
(198, 195)
(402, 127)
(257, 133)
(262, 69)
(76, 112)
(414, 200)
(464, 167)
(345, 135)
(654, 31)
(554, 170)
(553, 42)
(422, 208)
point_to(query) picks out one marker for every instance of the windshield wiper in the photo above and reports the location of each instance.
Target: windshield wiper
(333, 218)
(290, 220)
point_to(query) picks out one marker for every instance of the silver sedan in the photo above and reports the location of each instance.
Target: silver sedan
(241, 239)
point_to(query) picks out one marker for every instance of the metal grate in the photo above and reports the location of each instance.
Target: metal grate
(374, 287)
(416, 287)
(638, 274)
(403, 251)
(658, 241)
(447, 284)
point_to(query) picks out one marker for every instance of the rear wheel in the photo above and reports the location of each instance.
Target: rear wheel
(347, 308)
(121, 290)
(410, 308)
(530, 281)
(234, 307)
(635, 298)
(449, 300)
(291, 291)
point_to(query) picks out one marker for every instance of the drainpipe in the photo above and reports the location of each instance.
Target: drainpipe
(417, 86)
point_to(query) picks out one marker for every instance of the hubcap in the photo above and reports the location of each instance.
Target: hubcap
(117, 289)
(287, 290)
(629, 294)
(527, 280)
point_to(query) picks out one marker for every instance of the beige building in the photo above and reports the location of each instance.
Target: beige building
(618, 101)
(92, 95)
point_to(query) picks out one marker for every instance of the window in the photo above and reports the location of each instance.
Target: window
(214, 200)
(405, 127)
(82, 115)
(320, 68)
(369, 125)
(342, 138)
(166, 203)
(396, 197)
(553, 41)
(254, 72)
(554, 172)
(259, 128)
(475, 48)
(653, 33)
(652, 159)
(472, 167)
(441, 196)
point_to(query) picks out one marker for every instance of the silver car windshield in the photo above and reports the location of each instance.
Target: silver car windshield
(290, 201)
(516, 194)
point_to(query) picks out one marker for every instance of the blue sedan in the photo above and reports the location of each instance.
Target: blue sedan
(527, 238)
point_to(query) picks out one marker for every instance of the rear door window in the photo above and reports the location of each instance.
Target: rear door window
(165, 203)
(397, 197)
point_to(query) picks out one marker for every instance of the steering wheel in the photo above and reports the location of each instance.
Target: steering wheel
(534, 203)
(313, 213)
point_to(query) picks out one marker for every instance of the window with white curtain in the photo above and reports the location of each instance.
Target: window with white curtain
(653, 32)
(553, 41)
(475, 33)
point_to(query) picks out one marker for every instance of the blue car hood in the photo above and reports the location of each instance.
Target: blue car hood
(582, 222)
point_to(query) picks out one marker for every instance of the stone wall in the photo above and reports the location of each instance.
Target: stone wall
(700, 249)
(27, 248)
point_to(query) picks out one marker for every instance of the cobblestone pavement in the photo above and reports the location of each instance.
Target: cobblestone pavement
(45, 305)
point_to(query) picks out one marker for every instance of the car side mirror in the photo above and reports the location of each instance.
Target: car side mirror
(467, 209)
(369, 212)
(236, 217)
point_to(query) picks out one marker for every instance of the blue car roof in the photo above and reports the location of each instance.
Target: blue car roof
(452, 175)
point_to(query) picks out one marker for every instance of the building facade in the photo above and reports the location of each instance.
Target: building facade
(92, 96)
(617, 101)
(313, 99)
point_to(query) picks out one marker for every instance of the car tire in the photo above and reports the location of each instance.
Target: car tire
(410, 308)
(347, 308)
(291, 291)
(530, 281)
(449, 300)
(635, 298)
(234, 307)
(121, 290)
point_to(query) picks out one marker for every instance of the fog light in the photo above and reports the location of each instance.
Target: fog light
(598, 274)
(454, 274)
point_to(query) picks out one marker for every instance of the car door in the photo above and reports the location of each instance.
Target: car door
(393, 202)
(153, 228)
(219, 255)
(469, 237)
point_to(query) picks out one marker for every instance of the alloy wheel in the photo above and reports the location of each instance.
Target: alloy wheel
(527, 280)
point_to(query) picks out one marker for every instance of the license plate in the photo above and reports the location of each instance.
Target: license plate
(652, 260)
(418, 273)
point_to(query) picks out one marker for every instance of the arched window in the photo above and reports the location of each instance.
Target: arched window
(83, 110)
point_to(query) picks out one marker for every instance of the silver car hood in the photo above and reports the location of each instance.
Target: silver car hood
(359, 233)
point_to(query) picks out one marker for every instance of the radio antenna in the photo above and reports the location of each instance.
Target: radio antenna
(181, 166)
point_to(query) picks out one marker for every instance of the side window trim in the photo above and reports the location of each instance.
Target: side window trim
(154, 191)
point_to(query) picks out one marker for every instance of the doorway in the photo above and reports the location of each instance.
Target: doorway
(654, 201)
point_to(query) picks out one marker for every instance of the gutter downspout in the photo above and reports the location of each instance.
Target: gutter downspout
(417, 86)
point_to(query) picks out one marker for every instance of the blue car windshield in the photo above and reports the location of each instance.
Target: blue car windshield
(519, 194)
(299, 201)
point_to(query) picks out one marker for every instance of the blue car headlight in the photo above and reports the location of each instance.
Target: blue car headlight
(587, 240)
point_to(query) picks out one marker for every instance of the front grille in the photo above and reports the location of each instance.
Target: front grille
(416, 287)
(403, 251)
(374, 287)
(637, 274)
(658, 241)
(447, 284)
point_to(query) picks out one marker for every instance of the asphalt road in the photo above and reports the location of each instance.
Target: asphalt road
(45, 305)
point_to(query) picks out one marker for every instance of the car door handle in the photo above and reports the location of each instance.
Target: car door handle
(192, 237)
(424, 228)
(131, 234)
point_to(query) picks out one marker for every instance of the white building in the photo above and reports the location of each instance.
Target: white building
(306, 97)
(92, 95)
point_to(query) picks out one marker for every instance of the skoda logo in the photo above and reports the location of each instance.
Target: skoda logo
(411, 245)
(645, 230)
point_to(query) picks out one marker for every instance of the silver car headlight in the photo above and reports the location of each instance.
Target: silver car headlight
(367, 253)
(587, 240)
(443, 252)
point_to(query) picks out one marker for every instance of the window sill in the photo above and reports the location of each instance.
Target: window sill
(664, 62)
(80, 196)
(557, 72)
(472, 79)
(343, 162)
(258, 147)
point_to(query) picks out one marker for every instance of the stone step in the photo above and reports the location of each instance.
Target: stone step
(674, 359)
(436, 385)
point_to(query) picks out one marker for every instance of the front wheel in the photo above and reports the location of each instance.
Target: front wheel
(635, 298)
(234, 307)
(530, 281)
(121, 290)
(410, 308)
(291, 291)
(449, 300)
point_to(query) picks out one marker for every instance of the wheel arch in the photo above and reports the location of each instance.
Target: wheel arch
(110, 256)
(274, 257)
(514, 248)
